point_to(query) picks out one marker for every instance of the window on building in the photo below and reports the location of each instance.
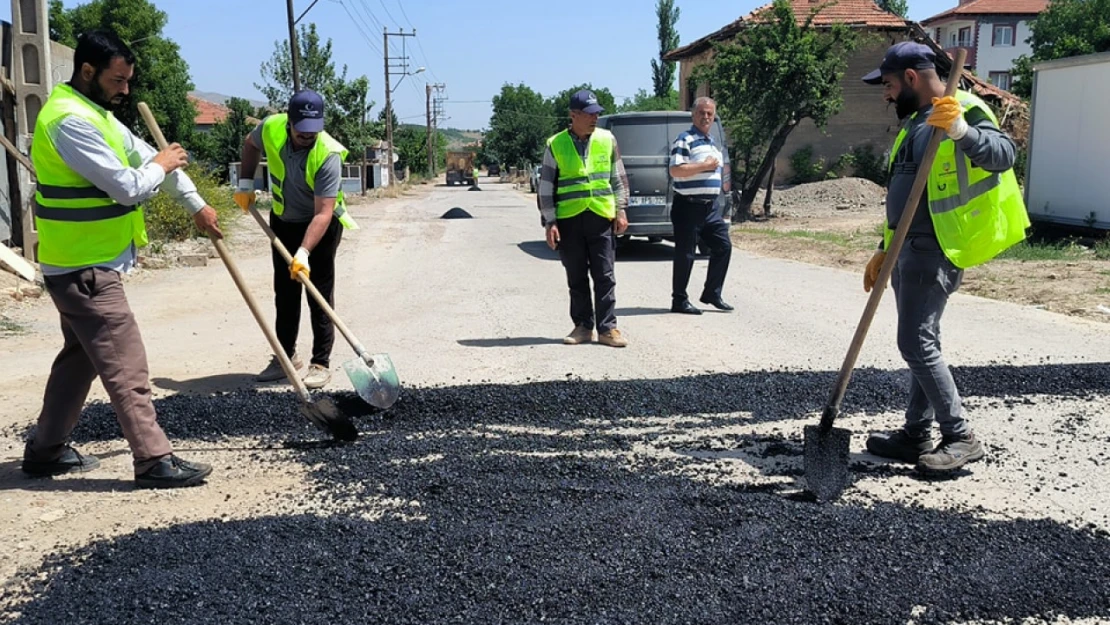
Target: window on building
(965, 37)
(939, 38)
(1003, 36)
(1000, 80)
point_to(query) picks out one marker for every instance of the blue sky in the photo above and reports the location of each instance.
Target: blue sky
(473, 48)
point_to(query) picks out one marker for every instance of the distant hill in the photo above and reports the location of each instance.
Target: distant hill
(220, 98)
(455, 138)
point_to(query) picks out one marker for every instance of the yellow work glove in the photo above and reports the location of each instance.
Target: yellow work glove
(300, 264)
(244, 194)
(948, 115)
(871, 273)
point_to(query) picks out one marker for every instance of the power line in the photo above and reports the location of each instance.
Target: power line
(419, 46)
(370, 14)
(395, 22)
(359, 27)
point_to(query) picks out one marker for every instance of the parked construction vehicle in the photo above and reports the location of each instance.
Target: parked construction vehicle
(460, 168)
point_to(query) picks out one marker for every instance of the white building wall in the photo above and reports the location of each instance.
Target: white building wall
(1000, 58)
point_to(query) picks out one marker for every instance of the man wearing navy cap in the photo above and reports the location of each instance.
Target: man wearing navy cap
(583, 195)
(308, 215)
(972, 210)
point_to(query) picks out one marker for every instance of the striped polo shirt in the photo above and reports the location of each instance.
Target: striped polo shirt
(691, 147)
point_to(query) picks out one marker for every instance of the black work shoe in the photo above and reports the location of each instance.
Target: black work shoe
(685, 307)
(71, 461)
(952, 453)
(173, 472)
(900, 445)
(717, 303)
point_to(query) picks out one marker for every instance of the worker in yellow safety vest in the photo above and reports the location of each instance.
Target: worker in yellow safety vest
(308, 214)
(972, 210)
(92, 176)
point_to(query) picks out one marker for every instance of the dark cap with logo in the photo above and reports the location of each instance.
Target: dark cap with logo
(585, 101)
(902, 56)
(306, 111)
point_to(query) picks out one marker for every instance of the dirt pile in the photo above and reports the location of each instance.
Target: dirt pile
(825, 197)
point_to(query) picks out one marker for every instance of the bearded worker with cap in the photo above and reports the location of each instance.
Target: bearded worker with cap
(308, 215)
(971, 211)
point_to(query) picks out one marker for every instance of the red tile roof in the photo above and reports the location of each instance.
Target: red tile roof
(210, 113)
(857, 13)
(992, 7)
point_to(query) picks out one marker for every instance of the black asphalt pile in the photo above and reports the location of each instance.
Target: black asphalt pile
(516, 503)
(456, 213)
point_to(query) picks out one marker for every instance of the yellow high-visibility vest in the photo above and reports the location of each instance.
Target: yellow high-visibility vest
(584, 185)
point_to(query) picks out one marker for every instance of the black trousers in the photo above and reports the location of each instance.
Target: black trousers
(287, 292)
(693, 218)
(588, 248)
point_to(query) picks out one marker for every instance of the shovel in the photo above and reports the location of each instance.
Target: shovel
(323, 413)
(373, 376)
(826, 447)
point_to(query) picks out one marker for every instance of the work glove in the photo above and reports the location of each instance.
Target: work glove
(948, 115)
(871, 273)
(300, 264)
(244, 194)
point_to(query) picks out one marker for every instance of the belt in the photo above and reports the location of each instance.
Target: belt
(697, 199)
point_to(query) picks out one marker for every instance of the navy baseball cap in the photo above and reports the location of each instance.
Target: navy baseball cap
(306, 111)
(586, 102)
(902, 56)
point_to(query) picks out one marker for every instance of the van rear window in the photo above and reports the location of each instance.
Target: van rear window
(642, 137)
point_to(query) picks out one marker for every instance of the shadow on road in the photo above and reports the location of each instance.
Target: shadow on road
(210, 383)
(518, 341)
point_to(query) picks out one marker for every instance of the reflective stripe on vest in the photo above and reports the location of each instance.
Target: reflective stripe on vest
(275, 134)
(584, 186)
(976, 214)
(78, 224)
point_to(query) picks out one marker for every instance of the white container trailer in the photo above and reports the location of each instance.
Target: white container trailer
(1067, 178)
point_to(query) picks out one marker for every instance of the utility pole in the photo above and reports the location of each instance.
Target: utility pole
(403, 66)
(434, 115)
(428, 132)
(362, 139)
(293, 45)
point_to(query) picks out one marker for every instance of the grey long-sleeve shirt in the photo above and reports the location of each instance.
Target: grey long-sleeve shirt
(549, 175)
(984, 144)
(85, 150)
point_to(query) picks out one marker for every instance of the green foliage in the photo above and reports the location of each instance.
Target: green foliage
(520, 124)
(662, 72)
(864, 163)
(772, 76)
(411, 147)
(558, 105)
(224, 143)
(161, 75)
(166, 220)
(900, 8)
(644, 101)
(805, 168)
(1066, 28)
(347, 100)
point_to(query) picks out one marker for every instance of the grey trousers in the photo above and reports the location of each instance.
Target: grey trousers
(922, 280)
(101, 340)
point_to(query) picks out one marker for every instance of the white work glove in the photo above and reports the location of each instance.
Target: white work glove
(244, 194)
(300, 264)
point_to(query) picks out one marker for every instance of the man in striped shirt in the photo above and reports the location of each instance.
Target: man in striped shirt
(696, 169)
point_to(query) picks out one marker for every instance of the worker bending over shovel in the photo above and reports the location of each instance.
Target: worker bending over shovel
(308, 215)
(972, 210)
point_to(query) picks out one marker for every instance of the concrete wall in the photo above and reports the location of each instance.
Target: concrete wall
(1000, 58)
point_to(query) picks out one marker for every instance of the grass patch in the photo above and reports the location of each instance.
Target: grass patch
(9, 327)
(166, 220)
(1041, 251)
(835, 238)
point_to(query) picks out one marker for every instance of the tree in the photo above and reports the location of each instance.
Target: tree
(520, 124)
(161, 75)
(559, 105)
(775, 74)
(900, 8)
(411, 147)
(1066, 28)
(644, 101)
(347, 102)
(662, 72)
(392, 115)
(223, 144)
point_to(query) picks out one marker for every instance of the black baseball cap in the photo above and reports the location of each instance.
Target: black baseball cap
(585, 101)
(902, 56)
(306, 111)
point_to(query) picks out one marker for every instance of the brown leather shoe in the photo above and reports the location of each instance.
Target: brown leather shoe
(580, 334)
(612, 338)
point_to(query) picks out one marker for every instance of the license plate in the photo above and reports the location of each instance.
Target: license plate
(647, 200)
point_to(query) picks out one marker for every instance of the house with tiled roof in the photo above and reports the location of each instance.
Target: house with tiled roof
(994, 32)
(865, 118)
(210, 113)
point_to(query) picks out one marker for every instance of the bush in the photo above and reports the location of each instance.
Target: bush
(166, 220)
(867, 164)
(805, 168)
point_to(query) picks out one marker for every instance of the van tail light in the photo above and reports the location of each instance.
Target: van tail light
(726, 178)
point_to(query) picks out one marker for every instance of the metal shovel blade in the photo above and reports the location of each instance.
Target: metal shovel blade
(324, 414)
(377, 385)
(826, 461)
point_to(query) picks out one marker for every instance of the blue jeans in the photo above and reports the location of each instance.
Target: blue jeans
(922, 280)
